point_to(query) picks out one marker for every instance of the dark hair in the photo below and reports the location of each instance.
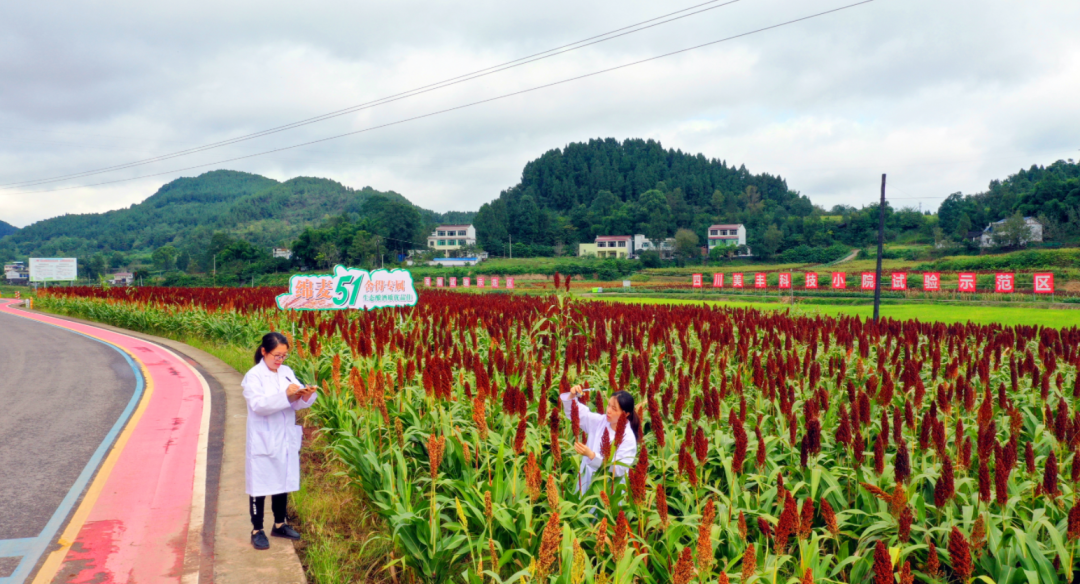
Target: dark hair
(626, 404)
(270, 341)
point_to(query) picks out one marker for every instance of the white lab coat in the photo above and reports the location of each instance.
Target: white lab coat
(594, 425)
(273, 437)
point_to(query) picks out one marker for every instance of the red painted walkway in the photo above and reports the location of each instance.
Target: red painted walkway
(133, 522)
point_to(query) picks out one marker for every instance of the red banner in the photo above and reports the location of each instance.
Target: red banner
(453, 282)
(1044, 283)
(811, 281)
(1004, 283)
(966, 283)
(494, 281)
(427, 281)
(438, 282)
(736, 281)
(509, 282)
(717, 280)
(479, 281)
(759, 280)
(931, 282)
(785, 281)
(839, 280)
(899, 281)
(696, 280)
(868, 280)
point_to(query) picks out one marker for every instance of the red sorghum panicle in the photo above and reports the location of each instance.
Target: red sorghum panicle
(684, 568)
(479, 417)
(519, 436)
(532, 477)
(622, 532)
(436, 446)
(906, 577)
(549, 547)
(905, 520)
(661, 504)
(749, 562)
(704, 542)
(960, 554)
(933, 564)
(601, 536)
(901, 462)
(829, 516)
(944, 488)
(882, 565)
(764, 527)
(806, 518)
(1050, 476)
(552, 492)
(1074, 522)
(742, 526)
(787, 524)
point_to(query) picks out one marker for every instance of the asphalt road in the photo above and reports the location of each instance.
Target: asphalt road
(60, 393)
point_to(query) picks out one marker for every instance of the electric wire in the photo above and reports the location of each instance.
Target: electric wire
(593, 40)
(467, 105)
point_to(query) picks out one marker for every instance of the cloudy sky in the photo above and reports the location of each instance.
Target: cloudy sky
(942, 96)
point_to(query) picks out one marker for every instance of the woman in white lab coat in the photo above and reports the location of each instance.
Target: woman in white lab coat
(596, 425)
(273, 395)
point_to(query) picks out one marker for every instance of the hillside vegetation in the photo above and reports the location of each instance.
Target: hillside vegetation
(607, 187)
(187, 212)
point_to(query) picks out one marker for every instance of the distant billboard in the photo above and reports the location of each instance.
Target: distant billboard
(53, 269)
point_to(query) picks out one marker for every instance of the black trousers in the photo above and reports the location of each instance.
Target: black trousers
(277, 505)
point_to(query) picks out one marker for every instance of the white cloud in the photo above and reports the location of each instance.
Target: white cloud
(941, 96)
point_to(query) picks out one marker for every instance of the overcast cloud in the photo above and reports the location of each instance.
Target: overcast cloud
(942, 96)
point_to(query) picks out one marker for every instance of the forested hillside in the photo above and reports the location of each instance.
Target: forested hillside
(609, 187)
(186, 212)
(1049, 193)
(7, 228)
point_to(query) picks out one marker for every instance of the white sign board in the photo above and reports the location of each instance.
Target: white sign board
(53, 269)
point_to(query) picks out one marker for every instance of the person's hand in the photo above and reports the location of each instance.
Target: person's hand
(307, 392)
(293, 392)
(584, 450)
(575, 391)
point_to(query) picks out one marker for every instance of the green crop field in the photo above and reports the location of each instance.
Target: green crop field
(1008, 316)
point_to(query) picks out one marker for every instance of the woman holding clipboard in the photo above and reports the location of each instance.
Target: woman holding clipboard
(273, 439)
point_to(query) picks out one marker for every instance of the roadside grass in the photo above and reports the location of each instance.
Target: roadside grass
(7, 291)
(1004, 315)
(344, 541)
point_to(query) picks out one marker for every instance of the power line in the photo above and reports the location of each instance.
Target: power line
(593, 40)
(464, 106)
(447, 110)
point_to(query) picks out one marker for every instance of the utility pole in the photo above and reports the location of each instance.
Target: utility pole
(511, 245)
(880, 251)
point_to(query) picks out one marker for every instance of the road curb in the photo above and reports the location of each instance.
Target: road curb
(234, 561)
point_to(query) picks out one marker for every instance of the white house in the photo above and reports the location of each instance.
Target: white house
(642, 243)
(447, 238)
(122, 279)
(283, 252)
(986, 238)
(16, 273)
(727, 235)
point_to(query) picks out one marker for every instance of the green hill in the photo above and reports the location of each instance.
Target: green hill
(571, 195)
(186, 212)
(7, 228)
(1049, 193)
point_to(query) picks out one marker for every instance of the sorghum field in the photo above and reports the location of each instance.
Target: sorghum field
(776, 448)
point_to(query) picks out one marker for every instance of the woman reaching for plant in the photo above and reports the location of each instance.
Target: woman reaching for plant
(601, 429)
